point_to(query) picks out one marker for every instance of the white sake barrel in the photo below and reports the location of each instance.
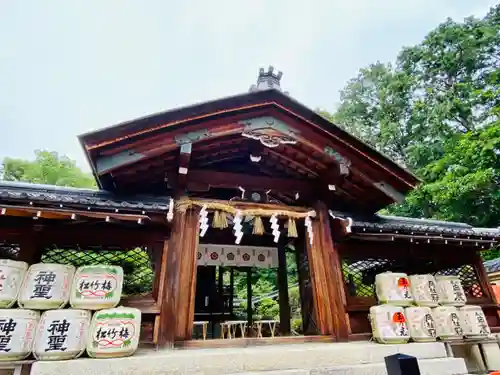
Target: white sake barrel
(389, 324)
(114, 333)
(11, 278)
(474, 321)
(448, 325)
(61, 334)
(97, 287)
(450, 291)
(46, 286)
(421, 323)
(17, 333)
(423, 289)
(393, 288)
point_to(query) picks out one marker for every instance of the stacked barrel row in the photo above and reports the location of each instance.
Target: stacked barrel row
(423, 308)
(42, 324)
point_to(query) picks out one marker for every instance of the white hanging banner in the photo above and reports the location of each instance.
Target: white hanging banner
(237, 256)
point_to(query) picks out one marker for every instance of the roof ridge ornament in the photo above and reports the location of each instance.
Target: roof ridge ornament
(268, 80)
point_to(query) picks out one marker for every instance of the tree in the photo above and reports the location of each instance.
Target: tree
(47, 168)
(446, 85)
(437, 111)
(464, 184)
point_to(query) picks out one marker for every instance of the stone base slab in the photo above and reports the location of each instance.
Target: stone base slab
(354, 358)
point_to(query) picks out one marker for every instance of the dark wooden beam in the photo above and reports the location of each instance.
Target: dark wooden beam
(218, 179)
(284, 300)
(184, 157)
(298, 165)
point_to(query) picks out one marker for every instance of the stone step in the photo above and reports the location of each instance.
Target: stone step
(332, 358)
(439, 366)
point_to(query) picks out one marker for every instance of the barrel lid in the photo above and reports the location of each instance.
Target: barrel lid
(14, 263)
(446, 277)
(52, 266)
(19, 313)
(59, 313)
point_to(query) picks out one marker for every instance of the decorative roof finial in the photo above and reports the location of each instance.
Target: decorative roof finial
(267, 80)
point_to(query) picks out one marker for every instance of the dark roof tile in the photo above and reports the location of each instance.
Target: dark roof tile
(22, 193)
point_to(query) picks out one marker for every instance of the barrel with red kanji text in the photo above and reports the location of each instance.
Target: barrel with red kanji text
(17, 333)
(389, 325)
(61, 334)
(393, 289)
(114, 333)
(46, 286)
(96, 287)
(11, 278)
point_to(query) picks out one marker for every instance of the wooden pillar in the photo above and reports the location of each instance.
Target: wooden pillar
(179, 282)
(483, 279)
(249, 297)
(231, 297)
(304, 277)
(326, 276)
(30, 247)
(282, 281)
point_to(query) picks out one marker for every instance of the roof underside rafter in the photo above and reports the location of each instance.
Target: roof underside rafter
(278, 139)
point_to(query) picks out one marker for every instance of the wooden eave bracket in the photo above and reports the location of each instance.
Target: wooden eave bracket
(184, 158)
(346, 222)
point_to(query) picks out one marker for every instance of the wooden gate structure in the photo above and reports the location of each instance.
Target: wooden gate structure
(261, 152)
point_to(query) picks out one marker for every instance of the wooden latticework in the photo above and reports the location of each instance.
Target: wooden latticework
(359, 275)
(137, 264)
(9, 250)
(469, 278)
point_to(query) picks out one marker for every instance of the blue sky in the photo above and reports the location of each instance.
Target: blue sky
(69, 67)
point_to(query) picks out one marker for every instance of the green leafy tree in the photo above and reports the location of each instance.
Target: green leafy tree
(464, 184)
(53, 169)
(436, 110)
(47, 168)
(446, 85)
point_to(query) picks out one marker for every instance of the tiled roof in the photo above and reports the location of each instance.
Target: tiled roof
(404, 225)
(426, 226)
(492, 265)
(24, 193)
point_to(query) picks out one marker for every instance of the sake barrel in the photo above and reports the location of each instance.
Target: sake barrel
(61, 334)
(450, 291)
(448, 325)
(393, 288)
(421, 323)
(96, 287)
(17, 333)
(11, 278)
(388, 324)
(46, 286)
(423, 290)
(474, 321)
(114, 333)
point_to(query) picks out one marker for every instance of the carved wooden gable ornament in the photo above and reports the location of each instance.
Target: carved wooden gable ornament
(270, 131)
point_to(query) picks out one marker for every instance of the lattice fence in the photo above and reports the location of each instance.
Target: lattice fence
(9, 250)
(469, 279)
(137, 264)
(359, 275)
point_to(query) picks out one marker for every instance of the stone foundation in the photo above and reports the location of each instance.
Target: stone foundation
(355, 358)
